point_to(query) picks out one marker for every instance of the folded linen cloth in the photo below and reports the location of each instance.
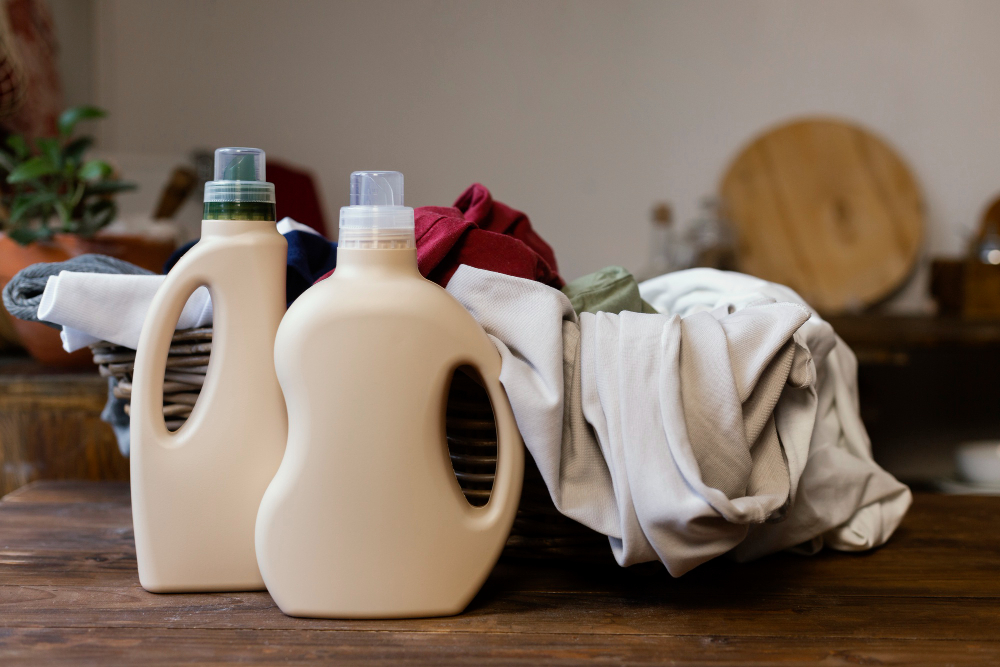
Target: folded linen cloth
(844, 500)
(23, 293)
(93, 307)
(676, 437)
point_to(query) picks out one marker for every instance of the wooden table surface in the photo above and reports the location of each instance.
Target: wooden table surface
(69, 593)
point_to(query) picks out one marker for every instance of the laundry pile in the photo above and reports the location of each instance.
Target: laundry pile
(725, 423)
(697, 414)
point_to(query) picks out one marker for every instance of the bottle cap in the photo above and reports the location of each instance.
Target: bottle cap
(376, 217)
(239, 177)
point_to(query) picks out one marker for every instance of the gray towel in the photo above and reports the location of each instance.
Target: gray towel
(23, 293)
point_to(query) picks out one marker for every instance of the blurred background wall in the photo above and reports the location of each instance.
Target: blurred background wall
(582, 114)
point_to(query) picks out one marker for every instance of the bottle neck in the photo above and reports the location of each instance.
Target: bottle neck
(235, 227)
(239, 210)
(372, 263)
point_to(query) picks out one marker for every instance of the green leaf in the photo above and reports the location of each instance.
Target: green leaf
(36, 167)
(78, 192)
(65, 211)
(19, 146)
(93, 170)
(7, 161)
(99, 207)
(74, 150)
(73, 115)
(108, 187)
(27, 235)
(96, 215)
(25, 205)
(50, 148)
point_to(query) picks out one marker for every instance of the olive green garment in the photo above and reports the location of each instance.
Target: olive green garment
(610, 290)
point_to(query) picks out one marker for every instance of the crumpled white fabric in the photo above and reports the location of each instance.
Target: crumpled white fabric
(94, 307)
(845, 500)
(676, 437)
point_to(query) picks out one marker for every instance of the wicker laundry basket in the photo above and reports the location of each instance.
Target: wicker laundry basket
(539, 531)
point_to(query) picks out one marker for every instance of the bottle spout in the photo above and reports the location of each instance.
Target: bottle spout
(376, 218)
(376, 188)
(240, 190)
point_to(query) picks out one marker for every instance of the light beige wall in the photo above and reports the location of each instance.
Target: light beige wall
(580, 113)
(74, 22)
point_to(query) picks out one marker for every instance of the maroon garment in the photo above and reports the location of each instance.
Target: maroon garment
(483, 233)
(297, 197)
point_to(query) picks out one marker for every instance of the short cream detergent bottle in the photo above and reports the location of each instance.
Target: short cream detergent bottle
(196, 491)
(365, 518)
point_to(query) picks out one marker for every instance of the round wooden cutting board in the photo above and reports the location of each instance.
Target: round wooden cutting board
(828, 209)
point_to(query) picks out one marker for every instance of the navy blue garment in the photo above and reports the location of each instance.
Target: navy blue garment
(309, 257)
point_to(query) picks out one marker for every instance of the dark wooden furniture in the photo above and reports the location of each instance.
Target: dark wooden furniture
(50, 425)
(866, 333)
(69, 593)
(927, 384)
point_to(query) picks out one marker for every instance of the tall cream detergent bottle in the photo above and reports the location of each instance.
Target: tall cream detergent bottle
(196, 491)
(365, 518)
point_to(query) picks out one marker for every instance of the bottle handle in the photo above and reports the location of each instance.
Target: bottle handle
(154, 346)
(506, 494)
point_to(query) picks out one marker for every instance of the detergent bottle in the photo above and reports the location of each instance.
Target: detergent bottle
(365, 517)
(195, 492)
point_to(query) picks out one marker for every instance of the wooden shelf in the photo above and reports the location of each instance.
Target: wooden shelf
(910, 332)
(50, 426)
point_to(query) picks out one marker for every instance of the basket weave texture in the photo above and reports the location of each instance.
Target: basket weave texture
(539, 530)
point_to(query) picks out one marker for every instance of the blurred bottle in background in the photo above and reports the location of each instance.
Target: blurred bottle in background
(710, 239)
(987, 249)
(663, 246)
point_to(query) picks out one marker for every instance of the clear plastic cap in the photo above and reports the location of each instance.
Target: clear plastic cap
(240, 176)
(376, 217)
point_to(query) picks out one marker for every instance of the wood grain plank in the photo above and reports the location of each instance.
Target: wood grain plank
(69, 594)
(177, 646)
(50, 428)
(945, 547)
(518, 612)
(70, 492)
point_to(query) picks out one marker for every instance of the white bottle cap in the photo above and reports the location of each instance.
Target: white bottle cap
(376, 217)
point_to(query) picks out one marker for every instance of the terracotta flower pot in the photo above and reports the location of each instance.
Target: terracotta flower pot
(41, 341)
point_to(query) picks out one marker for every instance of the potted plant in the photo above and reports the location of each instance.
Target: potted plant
(52, 207)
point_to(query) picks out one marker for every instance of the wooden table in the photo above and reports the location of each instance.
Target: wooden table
(69, 593)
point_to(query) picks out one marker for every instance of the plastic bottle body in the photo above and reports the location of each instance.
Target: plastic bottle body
(195, 493)
(365, 518)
